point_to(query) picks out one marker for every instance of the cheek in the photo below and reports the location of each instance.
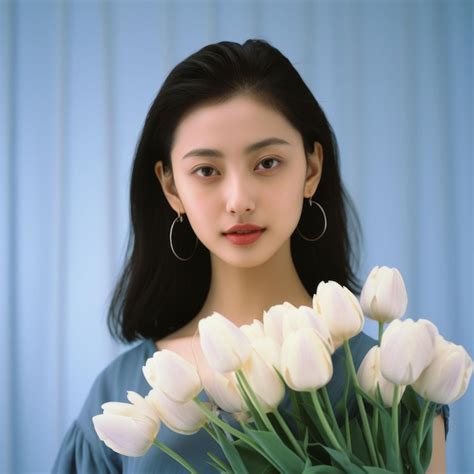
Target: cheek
(200, 207)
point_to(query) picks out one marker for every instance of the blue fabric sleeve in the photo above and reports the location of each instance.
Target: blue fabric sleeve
(444, 411)
(78, 455)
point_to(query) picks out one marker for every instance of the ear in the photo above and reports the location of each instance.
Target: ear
(169, 189)
(314, 170)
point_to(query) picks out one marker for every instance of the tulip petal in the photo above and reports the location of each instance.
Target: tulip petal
(184, 418)
(224, 345)
(128, 436)
(171, 373)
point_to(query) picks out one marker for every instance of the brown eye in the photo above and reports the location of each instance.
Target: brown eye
(207, 170)
(267, 163)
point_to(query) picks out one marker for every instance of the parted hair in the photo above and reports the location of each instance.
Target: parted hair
(156, 293)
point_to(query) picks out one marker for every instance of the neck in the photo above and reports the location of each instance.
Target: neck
(243, 294)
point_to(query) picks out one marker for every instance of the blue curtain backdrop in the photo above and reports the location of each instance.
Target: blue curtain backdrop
(76, 80)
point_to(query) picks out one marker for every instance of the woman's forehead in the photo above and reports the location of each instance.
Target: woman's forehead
(239, 122)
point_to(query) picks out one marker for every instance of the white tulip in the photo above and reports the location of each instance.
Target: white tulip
(369, 375)
(273, 320)
(224, 345)
(384, 296)
(306, 317)
(264, 381)
(269, 350)
(128, 429)
(306, 363)
(447, 377)
(265, 346)
(340, 310)
(175, 376)
(280, 320)
(253, 331)
(224, 391)
(407, 348)
(184, 418)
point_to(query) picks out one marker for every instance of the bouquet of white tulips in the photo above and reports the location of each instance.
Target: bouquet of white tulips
(398, 388)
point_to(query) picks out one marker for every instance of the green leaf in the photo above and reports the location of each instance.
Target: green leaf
(378, 470)
(412, 451)
(325, 469)
(296, 413)
(407, 425)
(426, 450)
(253, 411)
(343, 461)
(230, 452)
(285, 459)
(370, 400)
(218, 464)
(430, 415)
(253, 461)
(410, 400)
(306, 440)
(388, 444)
(359, 446)
(318, 433)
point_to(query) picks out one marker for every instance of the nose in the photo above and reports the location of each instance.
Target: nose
(240, 198)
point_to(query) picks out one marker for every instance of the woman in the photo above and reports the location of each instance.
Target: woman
(236, 205)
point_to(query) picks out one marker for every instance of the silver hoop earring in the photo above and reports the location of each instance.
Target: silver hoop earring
(180, 219)
(325, 223)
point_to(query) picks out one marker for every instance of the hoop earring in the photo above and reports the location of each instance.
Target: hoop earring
(325, 223)
(180, 219)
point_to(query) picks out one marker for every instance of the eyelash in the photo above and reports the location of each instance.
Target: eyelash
(210, 167)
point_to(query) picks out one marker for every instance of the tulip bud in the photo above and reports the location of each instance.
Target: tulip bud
(369, 375)
(384, 296)
(175, 376)
(283, 319)
(273, 320)
(253, 331)
(306, 317)
(224, 391)
(447, 377)
(306, 363)
(184, 418)
(224, 345)
(407, 348)
(265, 381)
(265, 346)
(128, 429)
(340, 309)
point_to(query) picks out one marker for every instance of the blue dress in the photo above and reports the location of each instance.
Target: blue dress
(83, 452)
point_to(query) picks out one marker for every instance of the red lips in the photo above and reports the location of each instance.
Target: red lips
(243, 228)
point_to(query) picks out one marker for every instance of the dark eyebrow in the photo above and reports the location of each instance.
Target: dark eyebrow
(209, 152)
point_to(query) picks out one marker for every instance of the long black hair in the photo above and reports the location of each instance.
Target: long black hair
(156, 294)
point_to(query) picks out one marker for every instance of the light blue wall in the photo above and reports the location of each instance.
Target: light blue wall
(76, 80)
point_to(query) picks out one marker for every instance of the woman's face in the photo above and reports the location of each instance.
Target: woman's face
(240, 162)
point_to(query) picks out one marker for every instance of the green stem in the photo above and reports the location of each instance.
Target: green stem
(175, 456)
(211, 434)
(330, 411)
(222, 424)
(380, 332)
(375, 430)
(375, 422)
(253, 398)
(324, 422)
(395, 424)
(289, 434)
(421, 424)
(360, 403)
(346, 414)
(230, 429)
(375, 425)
